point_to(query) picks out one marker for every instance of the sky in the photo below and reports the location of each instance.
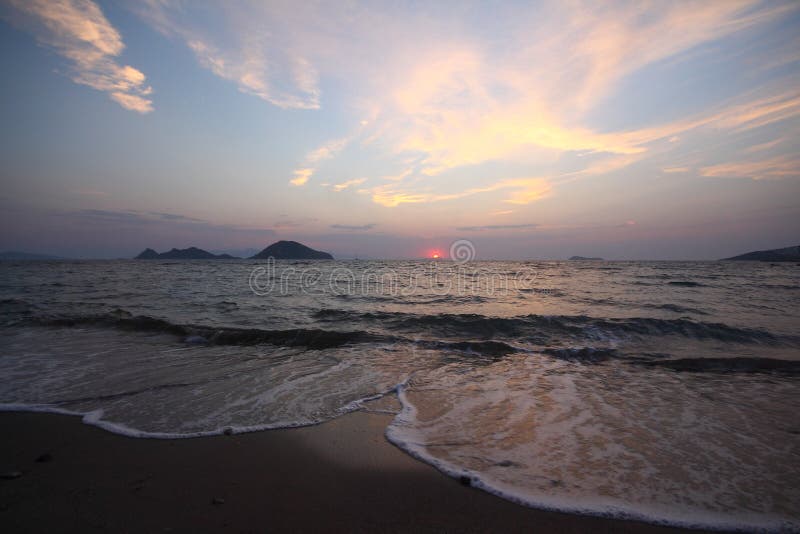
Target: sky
(625, 130)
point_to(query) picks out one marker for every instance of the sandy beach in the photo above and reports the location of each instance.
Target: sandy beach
(339, 476)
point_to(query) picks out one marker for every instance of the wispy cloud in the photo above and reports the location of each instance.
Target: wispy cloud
(349, 183)
(520, 191)
(293, 223)
(775, 168)
(258, 54)
(765, 146)
(79, 31)
(528, 226)
(174, 217)
(315, 157)
(150, 220)
(353, 227)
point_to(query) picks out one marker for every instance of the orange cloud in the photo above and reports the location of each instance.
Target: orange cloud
(776, 168)
(349, 183)
(301, 177)
(523, 191)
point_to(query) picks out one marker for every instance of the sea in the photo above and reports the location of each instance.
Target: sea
(662, 391)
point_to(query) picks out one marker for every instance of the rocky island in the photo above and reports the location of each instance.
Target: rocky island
(281, 250)
(776, 254)
(291, 250)
(191, 253)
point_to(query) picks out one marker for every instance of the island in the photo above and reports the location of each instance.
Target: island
(584, 258)
(191, 253)
(776, 254)
(291, 250)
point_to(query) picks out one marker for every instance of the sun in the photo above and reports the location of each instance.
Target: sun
(435, 255)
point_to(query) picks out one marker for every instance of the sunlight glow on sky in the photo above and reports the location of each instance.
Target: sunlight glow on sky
(644, 130)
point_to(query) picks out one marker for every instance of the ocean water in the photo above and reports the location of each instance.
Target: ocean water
(665, 391)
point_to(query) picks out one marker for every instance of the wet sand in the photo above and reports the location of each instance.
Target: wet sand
(342, 476)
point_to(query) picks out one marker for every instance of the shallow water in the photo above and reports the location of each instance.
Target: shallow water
(661, 390)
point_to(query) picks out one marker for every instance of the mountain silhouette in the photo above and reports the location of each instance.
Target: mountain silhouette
(291, 250)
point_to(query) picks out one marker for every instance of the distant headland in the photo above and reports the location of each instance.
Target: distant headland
(281, 250)
(584, 258)
(191, 253)
(776, 254)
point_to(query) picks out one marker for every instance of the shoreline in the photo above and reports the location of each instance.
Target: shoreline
(342, 475)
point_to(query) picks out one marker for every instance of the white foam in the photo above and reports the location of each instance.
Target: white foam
(95, 418)
(403, 432)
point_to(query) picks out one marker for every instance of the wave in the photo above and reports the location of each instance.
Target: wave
(312, 338)
(582, 354)
(674, 308)
(685, 283)
(727, 365)
(494, 349)
(531, 326)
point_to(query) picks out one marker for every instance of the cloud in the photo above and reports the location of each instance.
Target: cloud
(313, 159)
(776, 168)
(174, 217)
(133, 216)
(765, 146)
(497, 227)
(521, 191)
(153, 221)
(78, 31)
(353, 227)
(463, 104)
(524, 94)
(746, 113)
(301, 176)
(250, 72)
(257, 52)
(448, 96)
(132, 102)
(293, 223)
(349, 183)
(327, 150)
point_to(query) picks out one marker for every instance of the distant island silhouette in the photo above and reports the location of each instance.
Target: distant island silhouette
(584, 258)
(191, 253)
(281, 250)
(291, 250)
(776, 254)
